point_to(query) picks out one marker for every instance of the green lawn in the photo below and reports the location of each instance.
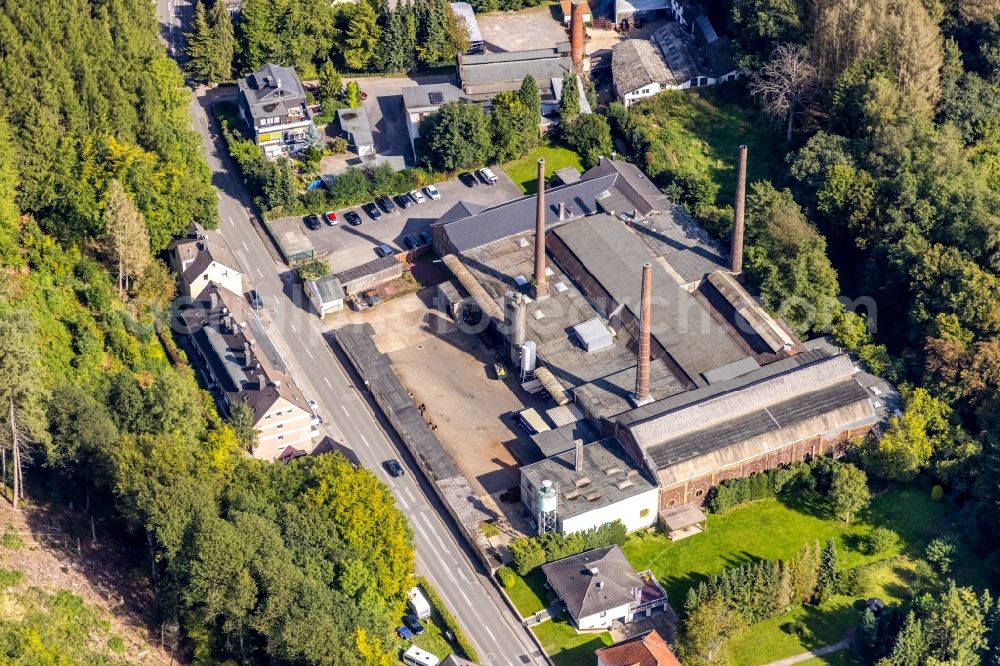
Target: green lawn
(432, 639)
(838, 658)
(524, 171)
(565, 646)
(701, 130)
(777, 528)
(529, 593)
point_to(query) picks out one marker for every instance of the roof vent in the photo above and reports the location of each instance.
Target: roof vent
(631, 473)
(600, 584)
(560, 287)
(522, 242)
(538, 314)
(571, 494)
(612, 470)
(435, 98)
(627, 483)
(520, 280)
(592, 497)
(594, 571)
(582, 481)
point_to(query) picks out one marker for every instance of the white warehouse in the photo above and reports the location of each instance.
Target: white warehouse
(586, 487)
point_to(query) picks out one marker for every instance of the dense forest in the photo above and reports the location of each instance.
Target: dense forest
(99, 169)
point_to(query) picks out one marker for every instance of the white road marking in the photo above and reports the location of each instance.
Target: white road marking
(364, 440)
(260, 272)
(310, 353)
(292, 326)
(328, 384)
(487, 630)
(342, 407)
(464, 596)
(245, 246)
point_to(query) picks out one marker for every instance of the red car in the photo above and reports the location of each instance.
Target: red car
(364, 95)
(330, 217)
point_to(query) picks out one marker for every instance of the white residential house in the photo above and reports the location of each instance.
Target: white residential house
(202, 257)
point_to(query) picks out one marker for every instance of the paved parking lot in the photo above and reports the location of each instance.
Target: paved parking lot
(344, 246)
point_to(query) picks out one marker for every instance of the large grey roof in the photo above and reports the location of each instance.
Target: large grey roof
(572, 580)
(613, 255)
(632, 183)
(683, 57)
(518, 216)
(371, 268)
(602, 489)
(272, 88)
(636, 63)
(490, 73)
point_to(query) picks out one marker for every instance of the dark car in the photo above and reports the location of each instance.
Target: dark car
(404, 633)
(393, 467)
(403, 200)
(312, 221)
(352, 218)
(413, 624)
(383, 250)
(385, 203)
(468, 179)
(411, 241)
(425, 238)
(255, 300)
(372, 211)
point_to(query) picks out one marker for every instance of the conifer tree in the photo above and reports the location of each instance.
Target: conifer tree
(569, 104)
(201, 63)
(126, 237)
(827, 583)
(353, 95)
(533, 100)
(224, 40)
(785, 590)
(363, 35)
(330, 85)
(910, 648)
(866, 636)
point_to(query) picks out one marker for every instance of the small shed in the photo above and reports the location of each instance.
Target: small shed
(326, 294)
(680, 522)
(357, 129)
(418, 603)
(593, 334)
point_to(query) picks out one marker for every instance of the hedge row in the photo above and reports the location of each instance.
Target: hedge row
(531, 553)
(449, 620)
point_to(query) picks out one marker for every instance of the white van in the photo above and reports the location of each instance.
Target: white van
(418, 603)
(417, 657)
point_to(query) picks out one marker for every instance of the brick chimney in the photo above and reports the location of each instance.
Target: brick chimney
(641, 395)
(576, 35)
(540, 284)
(736, 249)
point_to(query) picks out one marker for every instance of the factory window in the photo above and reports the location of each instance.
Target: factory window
(281, 425)
(699, 493)
(644, 513)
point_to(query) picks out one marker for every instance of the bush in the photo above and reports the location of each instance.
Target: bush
(733, 492)
(527, 553)
(449, 620)
(488, 529)
(937, 494)
(880, 540)
(10, 578)
(313, 270)
(941, 554)
(507, 577)
(530, 553)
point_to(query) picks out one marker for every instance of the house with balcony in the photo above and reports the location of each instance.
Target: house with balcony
(600, 588)
(273, 104)
(238, 362)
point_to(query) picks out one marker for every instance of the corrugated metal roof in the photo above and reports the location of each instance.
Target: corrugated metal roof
(471, 284)
(748, 426)
(552, 385)
(518, 216)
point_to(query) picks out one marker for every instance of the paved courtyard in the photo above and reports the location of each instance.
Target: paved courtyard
(344, 246)
(535, 28)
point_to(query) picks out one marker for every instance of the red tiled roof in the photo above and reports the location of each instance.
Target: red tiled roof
(645, 650)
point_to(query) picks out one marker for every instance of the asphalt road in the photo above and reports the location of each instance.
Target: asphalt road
(496, 633)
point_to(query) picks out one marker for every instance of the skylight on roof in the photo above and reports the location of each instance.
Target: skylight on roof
(522, 242)
(520, 280)
(560, 287)
(435, 98)
(538, 314)
(549, 272)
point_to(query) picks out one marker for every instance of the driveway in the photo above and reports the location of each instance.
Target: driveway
(385, 110)
(344, 246)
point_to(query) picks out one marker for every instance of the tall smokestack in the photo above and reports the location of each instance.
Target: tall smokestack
(578, 458)
(641, 395)
(576, 35)
(541, 286)
(736, 249)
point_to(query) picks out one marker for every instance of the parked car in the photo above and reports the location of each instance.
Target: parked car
(330, 217)
(313, 406)
(384, 250)
(352, 218)
(312, 222)
(417, 197)
(393, 467)
(372, 211)
(426, 238)
(413, 624)
(468, 179)
(404, 633)
(411, 241)
(487, 176)
(255, 300)
(385, 203)
(404, 201)
(432, 192)
(364, 96)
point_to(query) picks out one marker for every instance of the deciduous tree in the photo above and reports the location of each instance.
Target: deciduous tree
(786, 84)
(707, 629)
(363, 35)
(589, 135)
(457, 135)
(126, 239)
(849, 492)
